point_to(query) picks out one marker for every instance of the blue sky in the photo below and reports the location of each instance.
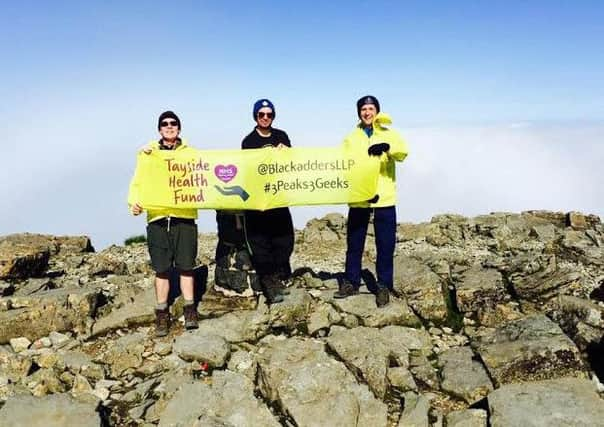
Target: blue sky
(83, 83)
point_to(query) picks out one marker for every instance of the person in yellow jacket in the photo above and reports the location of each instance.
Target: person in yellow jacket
(373, 136)
(171, 236)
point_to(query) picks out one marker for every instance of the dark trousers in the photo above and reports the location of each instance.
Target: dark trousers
(384, 223)
(230, 233)
(270, 236)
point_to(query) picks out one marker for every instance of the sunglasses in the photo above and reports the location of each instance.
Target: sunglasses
(262, 115)
(168, 123)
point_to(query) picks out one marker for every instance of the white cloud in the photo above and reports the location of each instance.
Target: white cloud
(80, 187)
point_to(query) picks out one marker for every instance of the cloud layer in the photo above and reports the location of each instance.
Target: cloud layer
(465, 170)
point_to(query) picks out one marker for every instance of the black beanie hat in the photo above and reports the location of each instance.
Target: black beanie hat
(367, 99)
(167, 115)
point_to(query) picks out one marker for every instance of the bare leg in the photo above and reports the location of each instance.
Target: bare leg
(162, 288)
(186, 285)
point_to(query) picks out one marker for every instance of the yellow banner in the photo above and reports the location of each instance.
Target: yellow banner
(252, 179)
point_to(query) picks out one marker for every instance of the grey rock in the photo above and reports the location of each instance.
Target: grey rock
(44, 312)
(43, 342)
(58, 339)
(18, 261)
(546, 283)
(544, 232)
(463, 377)
(243, 362)
(202, 347)
(363, 307)
(422, 288)
(366, 354)
(424, 373)
(292, 312)
(467, 418)
(139, 312)
(228, 401)
(578, 246)
(105, 263)
(79, 362)
(317, 231)
(401, 379)
(162, 349)
(13, 366)
(549, 403)
(480, 287)
(238, 327)
(140, 392)
(423, 231)
(126, 352)
(322, 318)
(58, 410)
(581, 319)
(6, 288)
(528, 349)
(19, 344)
(576, 220)
(369, 352)
(312, 388)
(34, 285)
(43, 382)
(80, 386)
(416, 411)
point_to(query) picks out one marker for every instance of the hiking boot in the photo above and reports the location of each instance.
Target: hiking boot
(191, 316)
(346, 290)
(382, 297)
(162, 322)
(271, 289)
(280, 285)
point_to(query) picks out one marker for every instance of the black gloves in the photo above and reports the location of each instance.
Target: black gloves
(378, 149)
(374, 199)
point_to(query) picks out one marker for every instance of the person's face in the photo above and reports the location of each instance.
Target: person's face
(264, 117)
(368, 112)
(168, 129)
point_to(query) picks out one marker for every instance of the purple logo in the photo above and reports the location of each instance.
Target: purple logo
(225, 173)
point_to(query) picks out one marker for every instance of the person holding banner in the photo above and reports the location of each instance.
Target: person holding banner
(171, 237)
(270, 233)
(373, 136)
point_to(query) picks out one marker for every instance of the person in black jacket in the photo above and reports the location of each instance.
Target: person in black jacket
(270, 233)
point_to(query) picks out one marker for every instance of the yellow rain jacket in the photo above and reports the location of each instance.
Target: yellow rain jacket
(155, 214)
(358, 140)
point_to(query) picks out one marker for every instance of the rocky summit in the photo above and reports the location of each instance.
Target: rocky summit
(496, 320)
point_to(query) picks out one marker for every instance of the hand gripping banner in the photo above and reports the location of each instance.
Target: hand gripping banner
(252, 179)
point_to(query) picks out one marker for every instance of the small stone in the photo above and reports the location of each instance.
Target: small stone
(19, 344)
(80, 385)
(58, 339)
(447, 330)
(108, 384)
(67, 378)
(435, 331)
(576, 220)
(162, 349)
(44, 342)
(101, 392)
(47, 359)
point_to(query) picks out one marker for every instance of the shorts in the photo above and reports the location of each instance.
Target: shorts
(172, 242)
